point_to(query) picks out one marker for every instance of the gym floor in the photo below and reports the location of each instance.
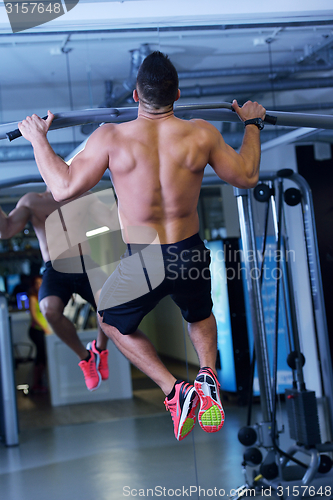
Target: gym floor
(116, 449)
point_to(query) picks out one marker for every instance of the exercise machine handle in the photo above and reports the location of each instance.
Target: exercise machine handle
(14, 134)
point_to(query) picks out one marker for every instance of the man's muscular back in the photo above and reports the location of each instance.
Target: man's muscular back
(156, 162)
(157, 167)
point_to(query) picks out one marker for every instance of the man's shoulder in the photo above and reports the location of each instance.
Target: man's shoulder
(200, 123)
(204, 131)
(106, 128)
(36, 203)
(28, 199)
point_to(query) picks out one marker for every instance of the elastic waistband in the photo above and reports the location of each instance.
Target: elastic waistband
(85, 260)
(186, 244)
(166, 248)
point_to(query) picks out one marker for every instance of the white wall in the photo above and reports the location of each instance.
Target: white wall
(279, 157)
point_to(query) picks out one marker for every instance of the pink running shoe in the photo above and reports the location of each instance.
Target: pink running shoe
(182, 408)
(103, 367)
(91, 374)
(211, 414)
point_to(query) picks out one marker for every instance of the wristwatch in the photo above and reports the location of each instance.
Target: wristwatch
(258, 122)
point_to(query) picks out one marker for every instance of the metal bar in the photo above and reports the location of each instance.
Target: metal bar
(17, 181)
(215, 112)
(255, 71)
(255, 299)
(7, 379)
(255, 87)
(219, 111)
(31, 179)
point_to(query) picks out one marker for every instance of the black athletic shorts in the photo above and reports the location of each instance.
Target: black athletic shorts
(187, 280)
(63, 285)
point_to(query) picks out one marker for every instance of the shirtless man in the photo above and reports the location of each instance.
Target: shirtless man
(57, 287)
(157, 163)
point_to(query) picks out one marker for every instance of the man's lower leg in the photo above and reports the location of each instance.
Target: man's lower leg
(66, 331)
(203, 335)
(139, 350)
(102, 339)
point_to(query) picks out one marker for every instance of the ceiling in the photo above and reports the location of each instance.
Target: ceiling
(280, 56)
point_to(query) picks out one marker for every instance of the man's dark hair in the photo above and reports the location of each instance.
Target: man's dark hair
(157, 80)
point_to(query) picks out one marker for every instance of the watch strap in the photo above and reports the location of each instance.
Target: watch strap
(255, 121)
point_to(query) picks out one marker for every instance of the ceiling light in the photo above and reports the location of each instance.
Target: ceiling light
(99, 230)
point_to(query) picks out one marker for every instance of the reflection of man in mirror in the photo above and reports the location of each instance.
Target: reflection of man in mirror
(60, 284)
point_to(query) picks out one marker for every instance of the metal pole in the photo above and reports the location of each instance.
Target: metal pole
(218, 111)
(255, 299)
(31, 179)
(8, 391)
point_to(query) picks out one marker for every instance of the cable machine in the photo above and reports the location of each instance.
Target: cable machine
(280, 471)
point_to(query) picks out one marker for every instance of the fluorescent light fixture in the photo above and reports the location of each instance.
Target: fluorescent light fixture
(99, 230)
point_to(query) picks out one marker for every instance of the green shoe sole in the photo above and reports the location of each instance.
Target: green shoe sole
(187, 427)
(212, 417)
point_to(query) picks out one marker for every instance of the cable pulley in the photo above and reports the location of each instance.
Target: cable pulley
(262, 192)
(292, 197)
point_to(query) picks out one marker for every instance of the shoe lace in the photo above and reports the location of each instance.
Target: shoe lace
(103, 358)
(170, 407)
(89, 368)
(92, 368)
(171, 410)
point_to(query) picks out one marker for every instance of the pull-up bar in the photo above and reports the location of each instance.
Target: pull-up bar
(220, 111)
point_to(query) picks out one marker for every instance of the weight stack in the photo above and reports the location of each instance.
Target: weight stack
(303, 417)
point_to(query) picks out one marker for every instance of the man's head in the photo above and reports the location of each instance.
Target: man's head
(157, 81)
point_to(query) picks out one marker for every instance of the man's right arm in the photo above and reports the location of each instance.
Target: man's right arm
(240, 169)
(14, 222)
(67, 180)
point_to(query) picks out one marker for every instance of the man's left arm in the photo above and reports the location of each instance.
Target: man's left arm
(66, 181)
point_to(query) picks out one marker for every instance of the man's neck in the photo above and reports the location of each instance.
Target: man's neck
(152, 113)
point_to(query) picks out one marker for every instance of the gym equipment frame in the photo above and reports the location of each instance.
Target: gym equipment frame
(303, 479)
